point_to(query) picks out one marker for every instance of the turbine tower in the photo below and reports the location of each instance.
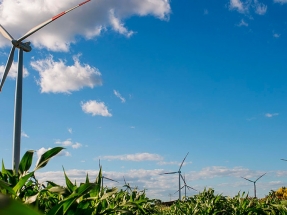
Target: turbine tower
(179, 176)
(254, 182)
(22, 46)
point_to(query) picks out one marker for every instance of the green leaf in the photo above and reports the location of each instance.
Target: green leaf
(87, 179)
(26, 162)
(22, 182)
(44, 159)
(6, 186)
(69, 184)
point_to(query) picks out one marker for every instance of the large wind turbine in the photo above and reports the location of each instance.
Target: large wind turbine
(179, 176)
(22, 46)
(254, 182)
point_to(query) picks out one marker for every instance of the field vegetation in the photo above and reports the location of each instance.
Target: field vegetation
(21, 193)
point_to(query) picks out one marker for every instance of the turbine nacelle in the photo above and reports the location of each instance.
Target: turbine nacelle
(25, 46)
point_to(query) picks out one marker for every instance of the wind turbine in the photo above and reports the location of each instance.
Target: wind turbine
(185, 186)
(254, 182)
(22, 46)
(179, 176)
(103, 177)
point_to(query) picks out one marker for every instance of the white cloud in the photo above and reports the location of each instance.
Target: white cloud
(276, 35)
(270, 115)
(13, 71)
(117, 94)
(238, 5)
(88, 20)
(118, 26)
(280, 1)
(173, 163)
(242, 23)
(244, 6)
(260, 8)
(57, 77)
(70, 130)
(95, 108)
(69, 142)
(205, 12)
(134, 157)
(23, 134)
(77, 145)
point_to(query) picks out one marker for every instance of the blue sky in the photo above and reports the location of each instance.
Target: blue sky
(140, 83)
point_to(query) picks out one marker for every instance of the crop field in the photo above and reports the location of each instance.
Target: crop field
(21, 193)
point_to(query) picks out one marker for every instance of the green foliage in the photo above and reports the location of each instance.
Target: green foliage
(24, 195)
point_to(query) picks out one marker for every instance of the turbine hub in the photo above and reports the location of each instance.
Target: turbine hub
(25, 46)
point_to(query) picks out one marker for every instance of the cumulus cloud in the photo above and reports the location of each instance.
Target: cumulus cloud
(13, 71)
(245, 6)
(270, 115)
(57, 77)
(134, 157)
(88, 20)
(117, 94)
(69, 142)
(118, 26)
(95, 108)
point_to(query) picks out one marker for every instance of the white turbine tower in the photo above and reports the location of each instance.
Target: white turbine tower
(22, 46)
(179, 176)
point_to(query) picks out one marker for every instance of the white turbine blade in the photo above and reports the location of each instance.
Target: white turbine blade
(5, 33)
(260, 177)
(183, 161)
(38, 27)
(247, 179)
(8, 66)
(283, 159)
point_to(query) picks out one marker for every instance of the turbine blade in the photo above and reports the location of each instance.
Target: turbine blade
(183, 161)
(283, 159)
(168, 173)
(247, 179)
(5, 33)
(260, 177)
(190, 187)
(8, 66)
(183, 179)
(110, 179)
(38, 27)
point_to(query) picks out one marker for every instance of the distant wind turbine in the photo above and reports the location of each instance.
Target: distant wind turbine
(185, 186)
(22, 46)
(103, 177)
(179, 176)
(254, 182)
